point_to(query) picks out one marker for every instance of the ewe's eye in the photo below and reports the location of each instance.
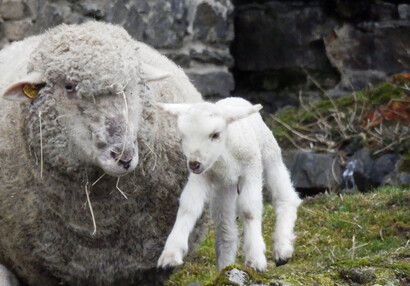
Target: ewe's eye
(215, 136)
(69, 87)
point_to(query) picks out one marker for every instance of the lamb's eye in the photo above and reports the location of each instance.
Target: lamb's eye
(69, 87)
(215, 136)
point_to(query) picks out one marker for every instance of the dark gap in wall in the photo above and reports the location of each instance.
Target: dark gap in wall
(276, 51)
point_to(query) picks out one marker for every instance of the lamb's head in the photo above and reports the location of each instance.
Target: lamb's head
(204, 129)
(85, 94)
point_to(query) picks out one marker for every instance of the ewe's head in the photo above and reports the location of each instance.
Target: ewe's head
(204, 128)
(85, 82)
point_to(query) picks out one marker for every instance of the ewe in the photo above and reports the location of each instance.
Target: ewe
(228, 149)
(86, 97)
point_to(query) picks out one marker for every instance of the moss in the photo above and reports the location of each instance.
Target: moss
(404, 163)
(352, 231)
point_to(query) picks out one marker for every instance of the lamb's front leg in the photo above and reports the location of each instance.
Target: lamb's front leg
(191, 204)
(250, 203)
(223, 206)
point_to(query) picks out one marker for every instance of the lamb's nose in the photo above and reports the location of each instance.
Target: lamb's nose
(194, 165)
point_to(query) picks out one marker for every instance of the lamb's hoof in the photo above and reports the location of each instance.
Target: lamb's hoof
(258, 265)
(170, 259)
(281, 262)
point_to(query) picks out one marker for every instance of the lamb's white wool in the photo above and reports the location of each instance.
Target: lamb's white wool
(229, 149)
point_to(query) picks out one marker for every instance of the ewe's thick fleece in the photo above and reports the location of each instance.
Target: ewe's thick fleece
(45, 224)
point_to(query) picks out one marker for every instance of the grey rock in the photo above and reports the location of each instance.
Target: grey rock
(92, 9)
(167, 24)
(32, 8)
(404, 11)
(366, 172)
(359, 79)
(12, 10)
(214, 85)
(360, 166)
(400, 176)
(237, 276)
(181, 59)
(16, 30)
(357, 275)
(311, 171)
(212, 24)
(213, 57)
(382, 45)
(49, 15)
(382, 167)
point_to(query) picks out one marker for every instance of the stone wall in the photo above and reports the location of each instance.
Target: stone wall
(280, 49)
(284, 47)
(196, 34)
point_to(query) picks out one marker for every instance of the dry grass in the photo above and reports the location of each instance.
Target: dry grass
(348, 123)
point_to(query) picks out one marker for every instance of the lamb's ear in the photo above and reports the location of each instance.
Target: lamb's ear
(25, 89)
(174, 108)
(234, 112)
(150, 73)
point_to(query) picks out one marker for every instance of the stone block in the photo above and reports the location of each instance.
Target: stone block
(215, 84)
(404, 11)
(370, 52)
(213, 57)
(17, 30)
(213, 24)
(312, 171)
(167, 24)
(12, 10)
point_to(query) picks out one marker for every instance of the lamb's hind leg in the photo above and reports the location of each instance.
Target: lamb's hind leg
(7, 278)
(223, 207)
(285, 201)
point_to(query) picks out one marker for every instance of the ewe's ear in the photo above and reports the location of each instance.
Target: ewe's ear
(25, 89)
(150, 73)
(235, 112)
(174, 108)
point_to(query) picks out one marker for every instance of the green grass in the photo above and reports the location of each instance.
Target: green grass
(335, 234)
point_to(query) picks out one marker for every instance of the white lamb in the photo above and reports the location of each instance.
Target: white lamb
(228, 149)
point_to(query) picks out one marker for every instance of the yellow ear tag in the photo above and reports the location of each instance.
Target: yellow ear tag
(31, 90)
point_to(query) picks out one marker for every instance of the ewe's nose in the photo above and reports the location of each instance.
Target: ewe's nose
(194, 165)
(124, 160)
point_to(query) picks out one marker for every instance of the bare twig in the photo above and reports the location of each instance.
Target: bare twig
(118, 188)
(358, 225)
(87, 192)
(391, 145)
(41, 146)
(96, 181)
(293, 130)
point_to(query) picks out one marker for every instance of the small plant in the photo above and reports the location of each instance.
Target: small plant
(376, 118)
